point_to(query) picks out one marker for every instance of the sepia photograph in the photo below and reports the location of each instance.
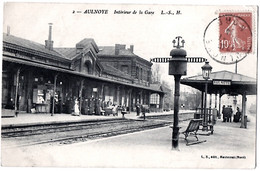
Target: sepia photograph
(129, 85)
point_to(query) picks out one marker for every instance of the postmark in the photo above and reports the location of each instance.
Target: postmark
(228, 38)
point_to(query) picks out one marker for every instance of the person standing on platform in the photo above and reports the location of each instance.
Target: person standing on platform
(98, 106)
(229, 113)
(137, 109)
(224, 112)
(76, 108)
(237, 116)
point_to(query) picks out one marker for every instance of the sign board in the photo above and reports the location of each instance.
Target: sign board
(189, 59)
(94, 89)
(222, 82)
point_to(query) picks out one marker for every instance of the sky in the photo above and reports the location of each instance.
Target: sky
(150, 31)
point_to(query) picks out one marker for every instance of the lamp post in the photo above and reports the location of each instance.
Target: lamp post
(206, 70)
(177, 67)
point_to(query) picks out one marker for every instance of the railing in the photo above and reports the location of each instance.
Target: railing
(210, 116)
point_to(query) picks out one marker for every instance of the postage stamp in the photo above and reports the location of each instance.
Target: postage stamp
(229, 38)
(235, 32)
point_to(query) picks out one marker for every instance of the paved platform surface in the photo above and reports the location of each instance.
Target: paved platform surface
(24, 119)
(229, 147)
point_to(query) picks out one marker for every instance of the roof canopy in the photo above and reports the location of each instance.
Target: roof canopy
(223, 82)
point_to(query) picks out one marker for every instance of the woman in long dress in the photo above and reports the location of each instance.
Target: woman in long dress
(76, 107)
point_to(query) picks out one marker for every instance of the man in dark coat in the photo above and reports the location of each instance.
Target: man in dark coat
(224, 112)
(237, 116)
(229, 114)
(138, 109)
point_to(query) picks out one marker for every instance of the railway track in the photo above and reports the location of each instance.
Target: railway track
(66, 133)
(18, 131)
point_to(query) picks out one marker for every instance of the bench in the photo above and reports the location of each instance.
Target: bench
(192, 128)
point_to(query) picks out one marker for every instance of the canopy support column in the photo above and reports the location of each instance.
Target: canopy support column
(54, 90)
(243, 118)
(16, 105)
(80, 95)
(219, 106)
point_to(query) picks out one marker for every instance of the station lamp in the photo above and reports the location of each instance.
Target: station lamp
(206, 71)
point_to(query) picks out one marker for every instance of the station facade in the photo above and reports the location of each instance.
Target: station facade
(41, 78)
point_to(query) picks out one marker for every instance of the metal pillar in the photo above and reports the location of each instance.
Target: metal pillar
(141, 97)
(243, 118)
(54, 90)
(210, 101)
(16, 107)
(205, 118)
(215, 107)
(219, 106)
(102, 92)
(210, 108)
(80, 95)
(117, 95)
(149, 98)
(202, 103)
(175, 132)
(130, 100)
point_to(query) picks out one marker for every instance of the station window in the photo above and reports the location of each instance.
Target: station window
(154, 99)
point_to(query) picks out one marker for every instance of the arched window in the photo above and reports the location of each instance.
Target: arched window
(88, 67)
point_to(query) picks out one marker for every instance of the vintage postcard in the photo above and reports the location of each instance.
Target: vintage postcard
(119, 85)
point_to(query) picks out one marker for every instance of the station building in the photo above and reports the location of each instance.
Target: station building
(41, 78)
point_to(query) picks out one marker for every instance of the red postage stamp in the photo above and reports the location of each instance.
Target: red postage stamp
(235, 34)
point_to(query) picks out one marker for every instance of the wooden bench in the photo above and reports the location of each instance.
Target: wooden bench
(192, 128)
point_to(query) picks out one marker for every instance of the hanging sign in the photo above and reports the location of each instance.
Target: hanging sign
(222, 82)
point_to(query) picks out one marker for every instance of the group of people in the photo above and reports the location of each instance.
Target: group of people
(91, 106)
(228, 113)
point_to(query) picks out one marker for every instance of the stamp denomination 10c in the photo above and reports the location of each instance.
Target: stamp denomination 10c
(228, 38)
(235, 32)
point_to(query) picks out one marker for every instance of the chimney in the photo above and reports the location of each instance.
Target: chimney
(49, 42)
(8, 30)
(79, 48)
(132, 48)
(119, 47)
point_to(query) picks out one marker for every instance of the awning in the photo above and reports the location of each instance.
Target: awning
(224, 82)
(40, 65)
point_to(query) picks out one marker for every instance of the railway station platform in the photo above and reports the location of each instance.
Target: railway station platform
(27, 118)
(230, 147)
